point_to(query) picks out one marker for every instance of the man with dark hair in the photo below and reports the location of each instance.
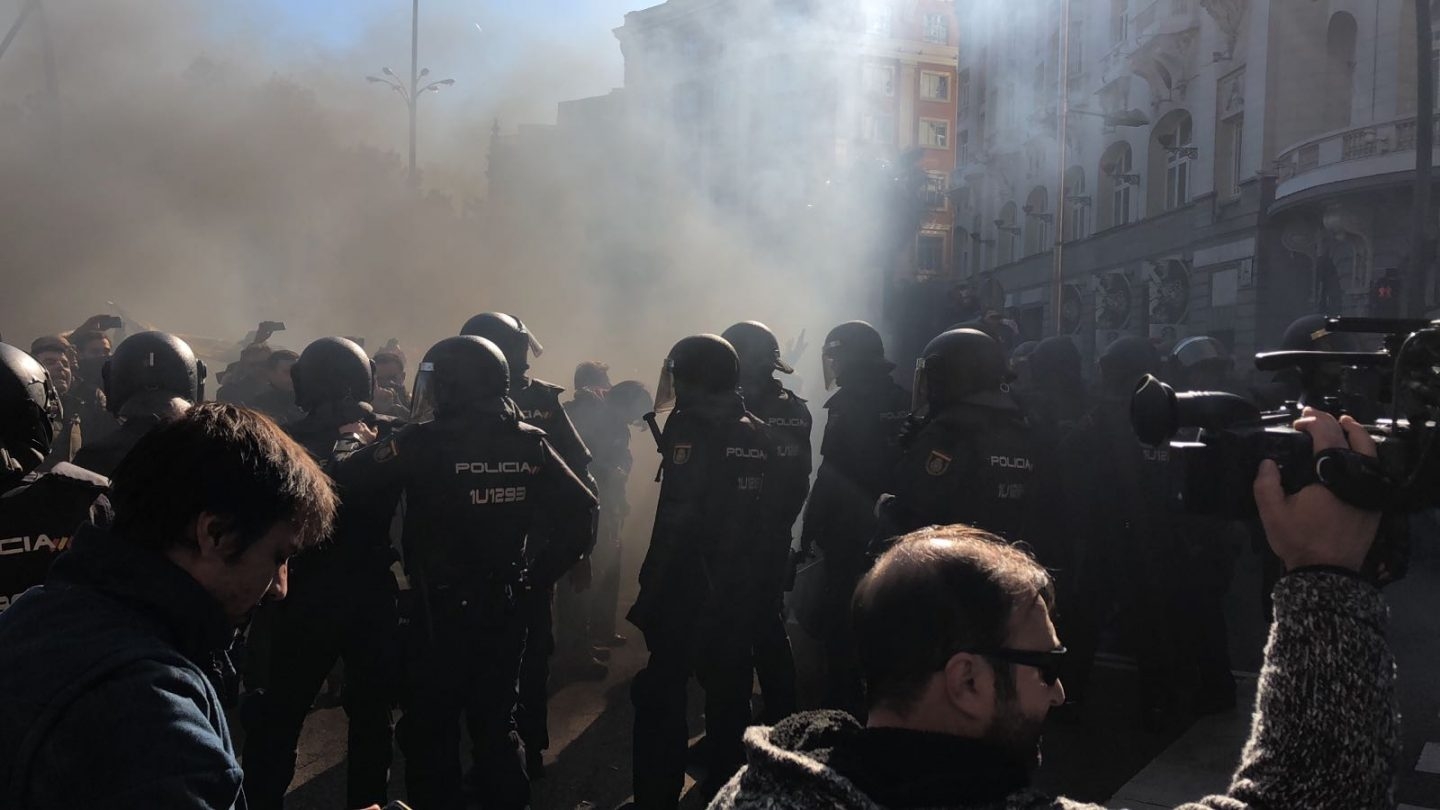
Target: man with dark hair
(122, 708)
(277, 400)
(963, 663)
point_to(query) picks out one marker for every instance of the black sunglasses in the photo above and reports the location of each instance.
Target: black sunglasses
(1048, 662)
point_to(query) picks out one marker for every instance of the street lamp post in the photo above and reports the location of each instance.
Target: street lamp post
(411, 93)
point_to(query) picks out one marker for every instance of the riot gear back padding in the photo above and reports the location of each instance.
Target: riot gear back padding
(696, 366)
(850, 345)
(758, 349)
(459, 375)
(961, 365)
(508, 332)
(30, 411)
(154, 363)
(332, 369)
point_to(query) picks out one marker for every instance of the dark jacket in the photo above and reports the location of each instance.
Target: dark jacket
(37, 520)
(118, 709)
(714, 524)
(1325, 734)
(606, 435)
(970, 464)
(105, 454)
(277, 404)
(858, 453)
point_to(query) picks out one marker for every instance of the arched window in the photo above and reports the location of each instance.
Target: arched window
(1172, 151)
(1037, 221)
(1117, 178)
(1076, 205)
(1339, 89)
(1005, 233)
(962, 253)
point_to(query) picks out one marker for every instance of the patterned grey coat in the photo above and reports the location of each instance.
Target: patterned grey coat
(1325, 733)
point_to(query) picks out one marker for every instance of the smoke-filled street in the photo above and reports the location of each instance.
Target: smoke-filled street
(724, 404)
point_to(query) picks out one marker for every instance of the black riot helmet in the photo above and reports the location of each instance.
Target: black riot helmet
(29, 413)
(1309, 334)
(510, 334)
(960, 366)
(1056, 364)
(631, 400)
(1200, 362)
(152, 364)
(757, 348)
(332, 369)
(460, 375)
(1125, 361)
(696, 366)
(852, 345)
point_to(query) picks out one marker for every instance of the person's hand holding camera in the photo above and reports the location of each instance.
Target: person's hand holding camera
(1313, 527)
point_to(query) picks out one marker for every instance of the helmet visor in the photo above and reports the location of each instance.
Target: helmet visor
(665, 388)
(832, 375)
(920, 398)
(422, 403)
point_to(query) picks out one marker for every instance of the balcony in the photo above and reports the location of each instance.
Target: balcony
(1349, 156)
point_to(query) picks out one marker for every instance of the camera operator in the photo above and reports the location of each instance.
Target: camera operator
(962, 664)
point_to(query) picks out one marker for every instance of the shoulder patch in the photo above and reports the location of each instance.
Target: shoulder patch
(680, 454)
(938, 463)
(557, 390)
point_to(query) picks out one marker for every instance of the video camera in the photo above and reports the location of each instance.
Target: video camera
(1394, 392)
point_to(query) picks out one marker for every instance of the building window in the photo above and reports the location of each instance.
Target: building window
(1037, 221)
(935, 190)
(934, 133)
(1230, 155)
(934, 86)
(878, 80)
(1119, 21)
(1117, 169)
(1075, 51)
(962, 95)
(962, 253)
(877, 22)
(962, 147)
(1005, 231)
(937, 28)
(1077, 205)
(930, 254)
(1179, 152)
(878, 127)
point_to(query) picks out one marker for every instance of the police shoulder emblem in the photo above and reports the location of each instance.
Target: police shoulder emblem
(938, 463)
(681, 454)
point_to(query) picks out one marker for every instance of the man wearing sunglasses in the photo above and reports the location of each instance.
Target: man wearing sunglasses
(961, 663)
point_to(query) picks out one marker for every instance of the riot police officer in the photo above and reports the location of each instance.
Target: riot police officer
(341, 604)
(972, 457)
(1208, 549)
(701, 592)
(791, 424)
(476, 480)
(859, 450)
(1053, 396)
(153, 377)
(37, 512)
(539, 404)
(1116, 549)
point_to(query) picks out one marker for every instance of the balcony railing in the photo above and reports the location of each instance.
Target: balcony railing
(1344, 146)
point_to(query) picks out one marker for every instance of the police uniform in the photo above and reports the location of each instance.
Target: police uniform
(37, 519)
(341, 605)
(858, 452)
(971, 464)
(539, 406)
(791, 424)
(607, 435)
(105, 454)
(475, 487)
(699, 597)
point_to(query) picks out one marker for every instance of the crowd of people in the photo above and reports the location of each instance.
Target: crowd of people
(961, 547)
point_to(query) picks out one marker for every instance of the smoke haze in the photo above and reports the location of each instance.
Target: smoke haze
(206, 171)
